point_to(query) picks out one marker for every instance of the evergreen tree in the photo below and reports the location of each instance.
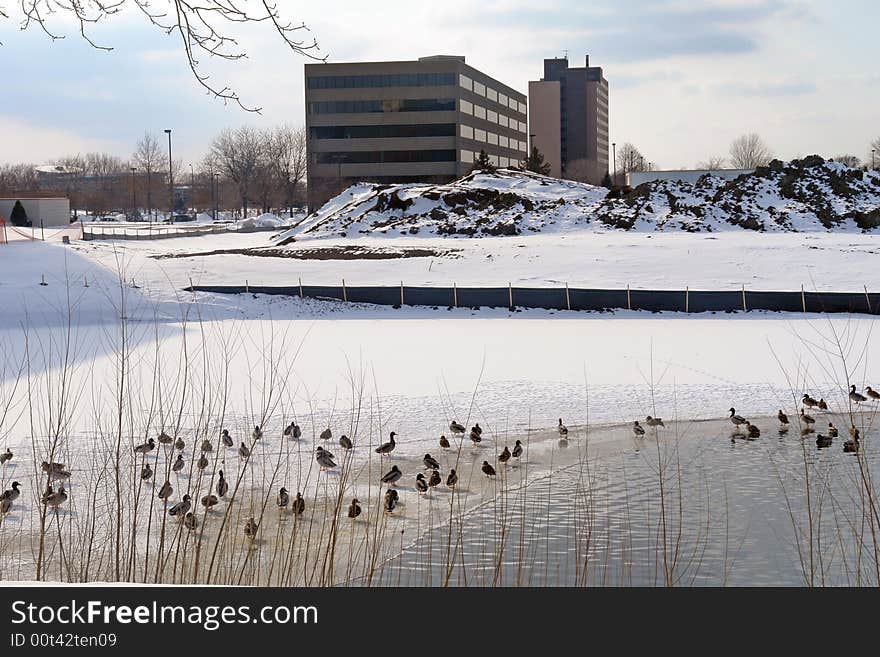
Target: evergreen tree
(606, 181)
(536, 164)
(483, 163)
(18, 216)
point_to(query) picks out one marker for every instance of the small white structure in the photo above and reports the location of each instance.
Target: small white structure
(40, 211)
(636, 178)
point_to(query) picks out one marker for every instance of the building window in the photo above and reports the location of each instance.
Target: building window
(479, 112)
(467, 156)
(492, 95)
(492, 138)
(479, 135)
(494, 160)
(512, 104)
(375, 106)
(467, 132)
(522, 108)
(502, 120)
(522, 127)
(467, 107)
(378, 157)
(382, 131)
(479, 88)
(492, 116)
(503, 141)
(465, 82)
(504, 162)
(387, 80)
(502, 99)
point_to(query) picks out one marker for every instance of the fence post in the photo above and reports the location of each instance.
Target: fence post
(455, 295)
(628, 302)
(687, 299)
(344, 293)
(567, 298)
(868, 299)
(803, 299)
(745, 308)
(509, 295)
(401, 293)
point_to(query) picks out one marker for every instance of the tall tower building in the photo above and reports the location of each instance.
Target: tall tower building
(568, 119)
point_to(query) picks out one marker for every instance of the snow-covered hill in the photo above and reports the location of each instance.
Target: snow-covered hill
(802, 195)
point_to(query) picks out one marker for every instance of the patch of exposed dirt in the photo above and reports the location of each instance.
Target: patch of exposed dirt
(324, 253)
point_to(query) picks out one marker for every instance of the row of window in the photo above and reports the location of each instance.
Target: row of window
(378, 157)
(382, 131)
(492, 116)
(489, 137)
(386, 80)
(488, 92)
(393, 105)
(469, 157)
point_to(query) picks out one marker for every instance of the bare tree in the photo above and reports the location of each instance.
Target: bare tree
(848, 160)
(713, 163)
(148, 158)
(238, 154)
(203, 27)
(874, 154)
(749, 151)
(287, 156)
(630, 158)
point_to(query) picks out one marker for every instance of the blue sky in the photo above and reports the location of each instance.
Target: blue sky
(685, 77)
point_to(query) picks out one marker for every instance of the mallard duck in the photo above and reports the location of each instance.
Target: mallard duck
(752, 431)
(222, 484)
(345, 442)
(807, 419)
(832, 430)
(823, 406)
(324, 458)
(59, 475)
(258, 432)
(146, 472)
(517, 449)
(487, 469)
(49, 490)
(435, 478)
(164, 438)
(207, 446)
(179, 463)
(452, 478)
(202, 463)
(190, 521)
(283, 498)
(210, 500)
(654, 421)
(387, 448)
(476, 434)
(179, 444)
(809, 402)
(299, 504)
(57, 498)
(637, 429)
(421, 483)
(737, 420)
(504, 456)
(165, 491)
(181, 507)
(782, 417)
(456, 428)
(47, 467)
(292, 431)
(391, 499)
(145, 447)
(823, 441)
(251, 528)
(5, 456)
(12, 493)
(244, 451)
(444, 443)
(226, 438)
(851, 445)
(561, 428)
(392, 476)
(853, 432)
(873, 394)
(430, 462)
(856, 397)
(326, 434)
(354, 509)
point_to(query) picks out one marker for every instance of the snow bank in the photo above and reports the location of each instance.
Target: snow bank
(266, 220)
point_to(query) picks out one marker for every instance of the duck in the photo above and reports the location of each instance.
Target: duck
(250, 528)
(562, 429)
(654, 421)
(354, 509)
(873, 394)
(57, 498)
(181, 507)
(823, 441)
(47, 467)
(487, 469)
(832, 430)
(637, 429)
(807, 419)
(146, 472)
(392, 476)
(737, 420)
(258, 432)
(444, 442)
(476, 434)
(326, 434)
(435, 479)
(292, 431)
(345, 442)
(421, 483)
(190, 521)
(11, 494)
(853, 432)
(164, 438)
(283, 498)
(49, 490)
(244, 451)
(324, 459)
(851, 446)
(179, 444)
(222, 485)
(207, 446)
(504, 456)
(5, 507)
(226, 438)
(391, 499)
(387, 448)
(856, 397)
(517, 449)
(59, 475)
(809, 402)
(430, 462)
(456, 428)
(752, 431)
(452, 478)
(782, 417)
(5, 456)
(165, 491)
(210, 500)
(202, 463)
(823, 406)
(299, 504)
(145, 447)
(179, 463)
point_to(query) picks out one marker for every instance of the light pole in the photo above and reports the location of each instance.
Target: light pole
(614, 155)
(192, 188)
(133, 197)
(872, 159)
(170, 180)
(215, 191)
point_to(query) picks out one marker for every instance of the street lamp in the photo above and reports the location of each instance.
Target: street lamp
(192, 188)
(133, 197)
(872, 159)
(170, 180)
(614, 154)
(215, 189)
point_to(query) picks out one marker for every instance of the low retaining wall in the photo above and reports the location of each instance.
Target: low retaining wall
(692, 301)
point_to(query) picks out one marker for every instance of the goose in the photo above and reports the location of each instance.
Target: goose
(181, 507)
(807, 419)
(57, 498)
(190, 521)
(452, 479)
(476, 434)
(387, 448)
(207, 446)
(782, 417)
(222, 485)
(202, 463)
(809, 402)
(299, 504)
(832, 430)
(283, 498)
(430, 462)
(258, 432)
(324, 459)
(562, 429)
(244, 451)
(164, 438)
(504, 456)
(637, 429)
(654, 421)
(250, 528)
(354, 509)
(145, 447)
(345, 442)
(752, 431)
(226, 438)
(444, 443)
(179, 463)
(487, 469)
(179, 444)
(11, 494)
(210, 500)
(421, 484)
(823, 441)
(391, 498)
(873, 394)
(146, 473)
(5, 456)
(517, 449)
(326, 434)
(736, 419)
(165, 491)
(435, 478)
(856, 397)
(456, 428)
(392, 476)
(823, 406)
(852, 445)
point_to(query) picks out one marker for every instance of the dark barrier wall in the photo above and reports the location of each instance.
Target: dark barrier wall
(694, 301)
